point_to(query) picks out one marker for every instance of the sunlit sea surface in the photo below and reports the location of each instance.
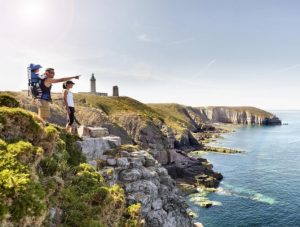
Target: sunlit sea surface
(262, 186)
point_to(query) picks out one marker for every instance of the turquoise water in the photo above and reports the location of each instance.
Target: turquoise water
(262, 186)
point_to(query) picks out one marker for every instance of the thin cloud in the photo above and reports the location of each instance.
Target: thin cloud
(205, 68)
(182, 41)
(145, 38)
(289, 68)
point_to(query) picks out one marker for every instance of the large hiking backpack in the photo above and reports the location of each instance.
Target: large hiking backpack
(34, 81)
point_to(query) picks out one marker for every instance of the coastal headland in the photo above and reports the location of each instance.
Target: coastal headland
(145, 149)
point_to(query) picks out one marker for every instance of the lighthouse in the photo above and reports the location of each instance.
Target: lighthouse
(93, 84)
(93, 90)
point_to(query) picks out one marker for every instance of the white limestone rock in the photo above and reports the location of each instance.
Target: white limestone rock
(114, 140)
(111, 161)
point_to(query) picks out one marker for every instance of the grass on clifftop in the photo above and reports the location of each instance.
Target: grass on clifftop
(116, 105)
(171, 114)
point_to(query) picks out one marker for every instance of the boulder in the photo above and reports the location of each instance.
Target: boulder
(123, 162)
(157, 204)
(149, 161)
(130, 175)
(113, 140)
(156, 218)
(145, 186)
(136, 161)
(111, 161)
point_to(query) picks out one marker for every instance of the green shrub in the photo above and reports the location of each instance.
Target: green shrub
(9, 101)
(19, 124)
(2, 144)
(20, 195)
(75, 155)
(82, 197)
(3, 208)
(49, 166)
(24, 152)
(132, 216)
(57, 162)
(28, 203)
(50, 132)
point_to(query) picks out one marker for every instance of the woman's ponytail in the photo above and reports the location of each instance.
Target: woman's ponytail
(64, 85)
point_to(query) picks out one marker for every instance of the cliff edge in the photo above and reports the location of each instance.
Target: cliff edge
(240, 115)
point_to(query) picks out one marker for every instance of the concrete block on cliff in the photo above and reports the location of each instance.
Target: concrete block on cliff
(83, 131)
(98, 132)
(93, 148)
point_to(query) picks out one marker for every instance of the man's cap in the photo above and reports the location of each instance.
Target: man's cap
(49, 69)
(34, 66)
(70, 82)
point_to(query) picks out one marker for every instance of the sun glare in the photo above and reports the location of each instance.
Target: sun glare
(32, 11)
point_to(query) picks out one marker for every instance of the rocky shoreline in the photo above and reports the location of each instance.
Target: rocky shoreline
(193, 174)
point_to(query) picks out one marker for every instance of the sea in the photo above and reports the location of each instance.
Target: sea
(261, 187)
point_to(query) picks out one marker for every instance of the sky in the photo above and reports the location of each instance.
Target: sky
(192, 52)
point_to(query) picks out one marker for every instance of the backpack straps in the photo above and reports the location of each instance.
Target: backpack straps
(46, 91)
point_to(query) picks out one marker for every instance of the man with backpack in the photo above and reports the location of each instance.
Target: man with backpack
(46, 85)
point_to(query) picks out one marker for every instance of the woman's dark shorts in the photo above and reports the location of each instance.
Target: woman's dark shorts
(71, 116)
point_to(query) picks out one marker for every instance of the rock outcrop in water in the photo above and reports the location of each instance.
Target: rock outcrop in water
(240, 115)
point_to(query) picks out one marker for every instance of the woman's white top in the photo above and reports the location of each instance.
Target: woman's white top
(70, 100)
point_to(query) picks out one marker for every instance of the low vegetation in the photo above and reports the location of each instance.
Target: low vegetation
(41, 168)
(170, 114)
(173, 114)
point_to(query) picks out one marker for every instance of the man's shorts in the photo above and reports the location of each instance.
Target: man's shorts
(44, 109)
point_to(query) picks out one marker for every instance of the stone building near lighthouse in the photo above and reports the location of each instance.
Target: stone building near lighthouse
(115, 91)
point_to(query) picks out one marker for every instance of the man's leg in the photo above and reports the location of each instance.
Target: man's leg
(44, 111)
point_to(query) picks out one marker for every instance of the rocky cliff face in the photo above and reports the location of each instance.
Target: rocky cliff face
(144, 180)
(240, 115)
